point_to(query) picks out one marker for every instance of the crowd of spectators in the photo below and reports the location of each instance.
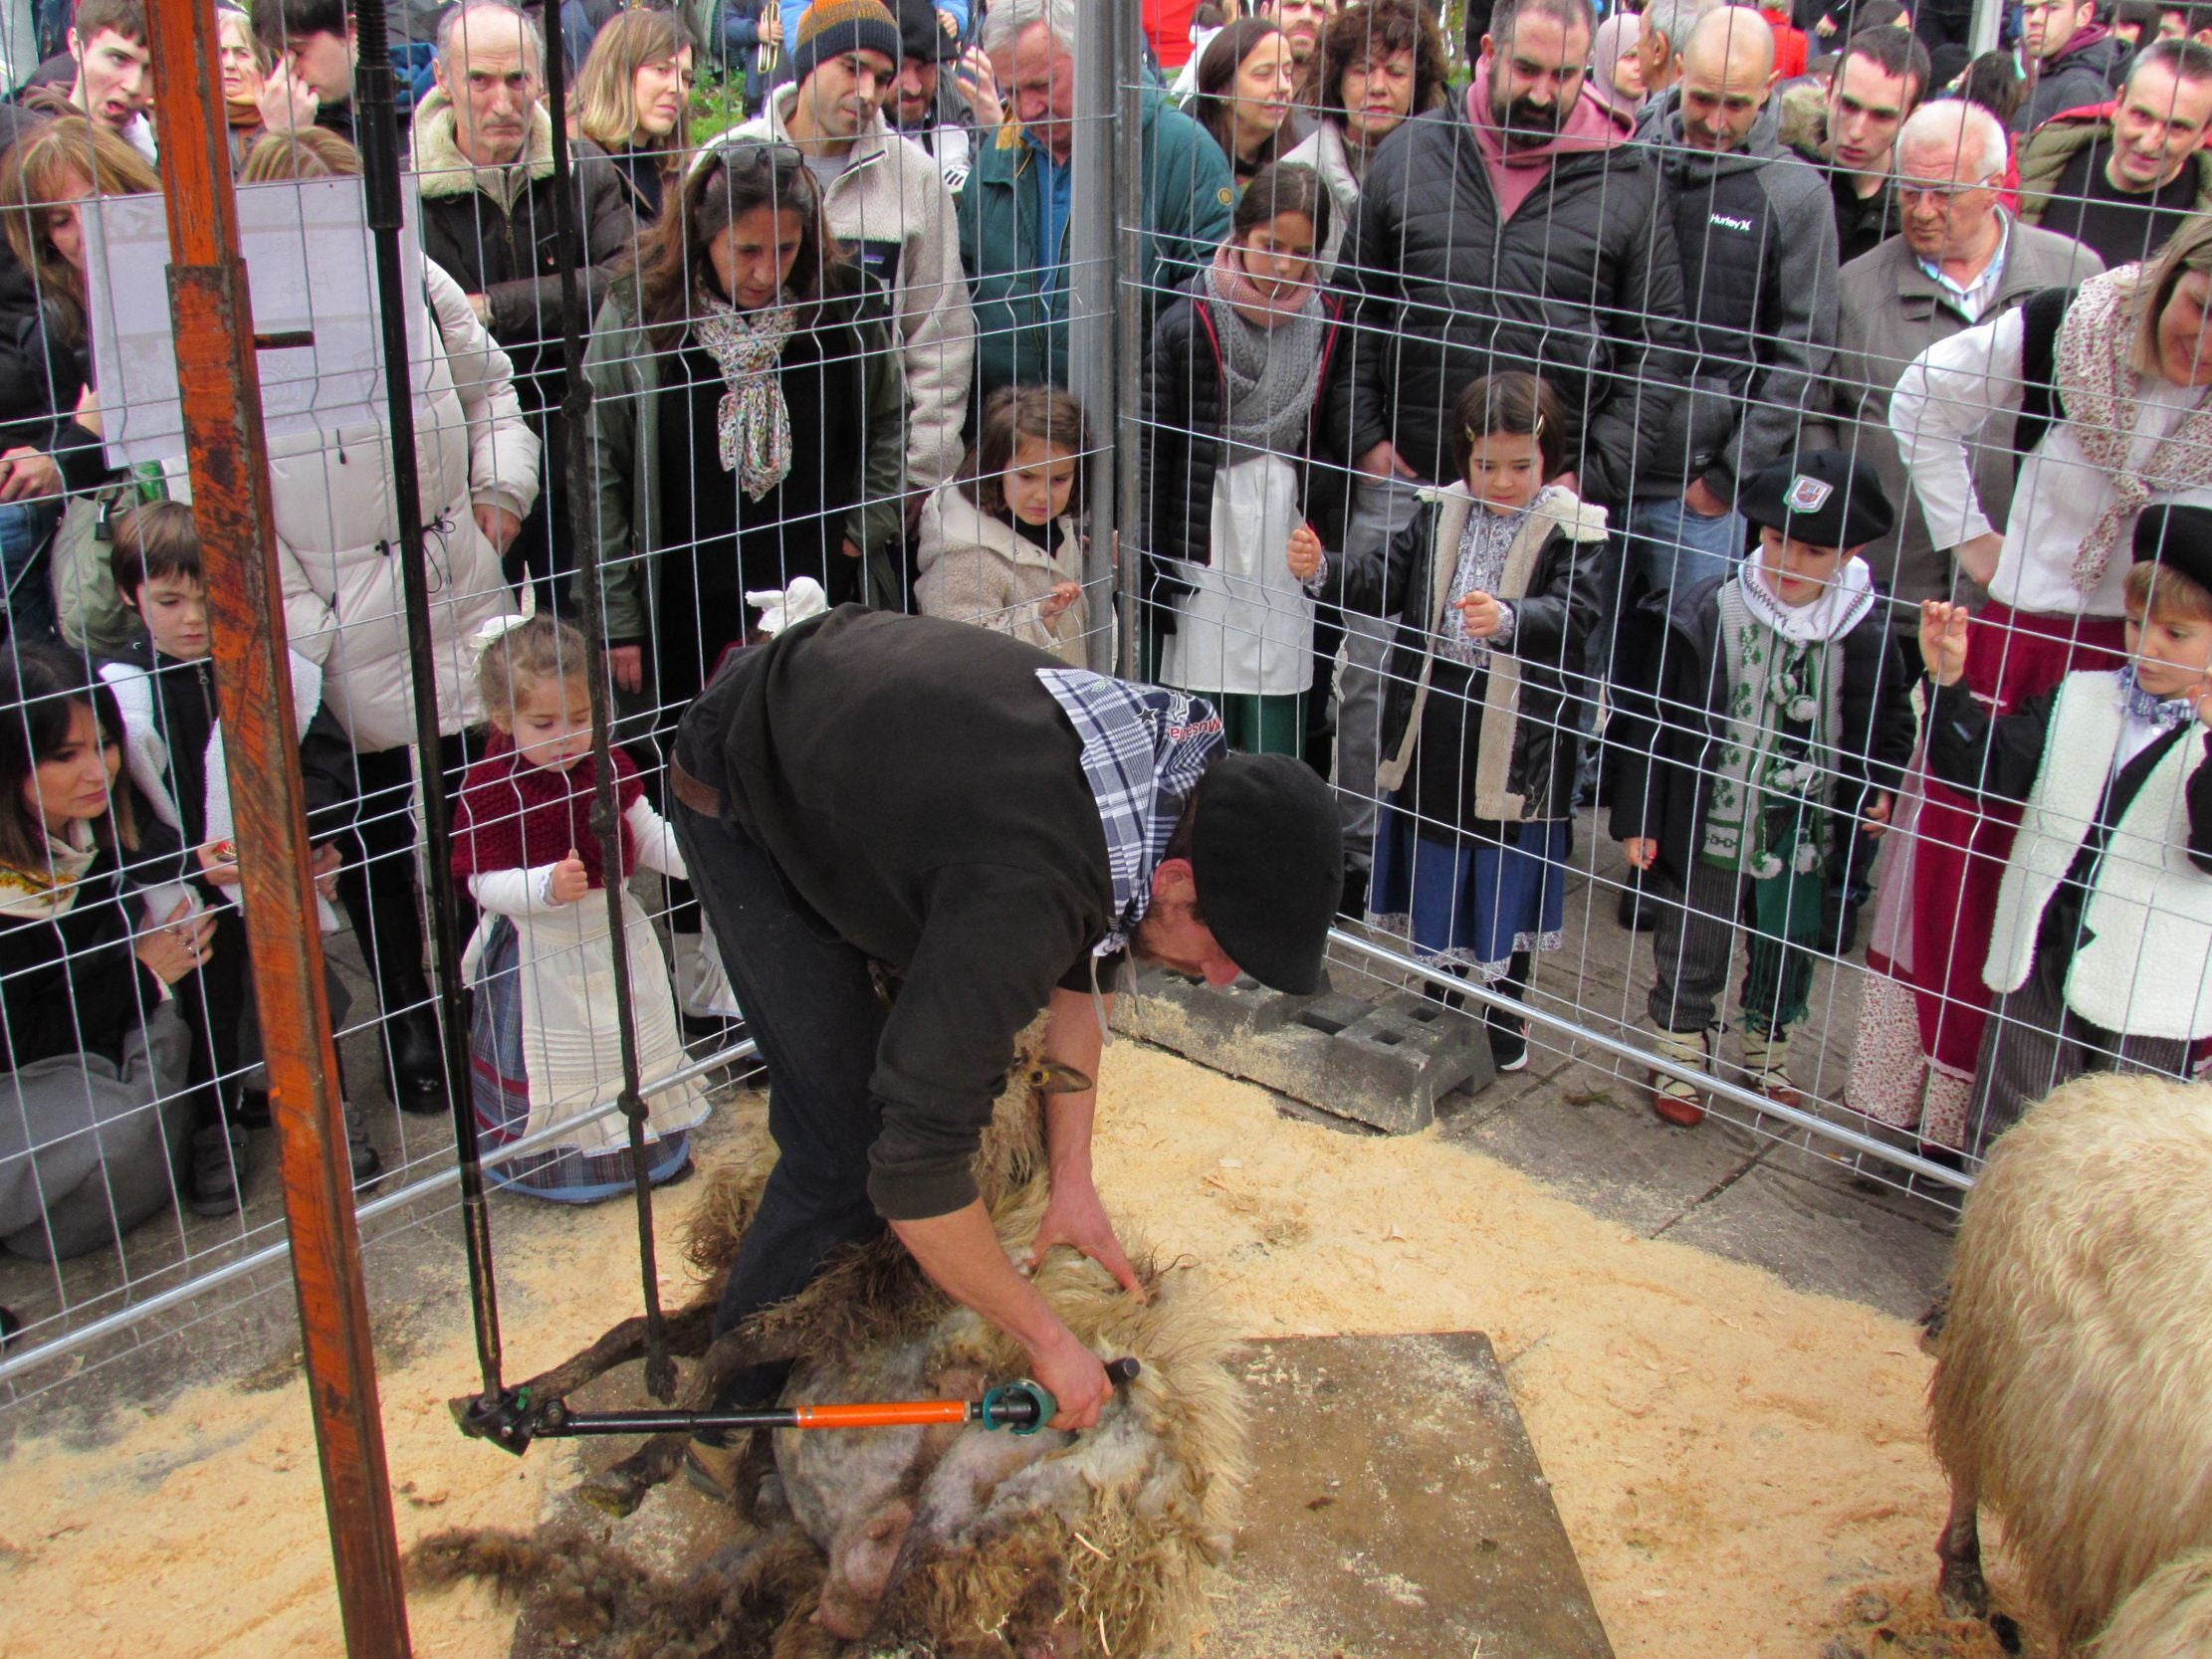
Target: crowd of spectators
(1659, 285)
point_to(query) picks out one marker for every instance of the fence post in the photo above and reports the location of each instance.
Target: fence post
(1130, 343)
(228, 456)
(1090, 295)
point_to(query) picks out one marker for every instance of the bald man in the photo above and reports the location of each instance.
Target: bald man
(1758, 251)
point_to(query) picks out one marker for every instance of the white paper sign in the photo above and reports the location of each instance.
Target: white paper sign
(311, 271)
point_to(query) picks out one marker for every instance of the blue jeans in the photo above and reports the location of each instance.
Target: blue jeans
(24, 530)
(1670, 546)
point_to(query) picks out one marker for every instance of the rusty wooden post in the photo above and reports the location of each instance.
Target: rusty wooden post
(229, 459)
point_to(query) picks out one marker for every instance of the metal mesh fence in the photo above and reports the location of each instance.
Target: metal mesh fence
(1004, 334)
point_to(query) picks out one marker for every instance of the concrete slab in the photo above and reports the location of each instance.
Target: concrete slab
(1590, 1138)
(1818, 1232)
(1411, 1521)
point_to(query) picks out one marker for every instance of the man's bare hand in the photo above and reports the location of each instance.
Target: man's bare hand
(1076, 1376)
(1383, 462)
(1703, 501)
(1074, 1216)
(287, 104)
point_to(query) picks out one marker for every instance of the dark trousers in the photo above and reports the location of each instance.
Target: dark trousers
(811, 1005)
(377, 885)
(2034, 1042)
(1695, 946)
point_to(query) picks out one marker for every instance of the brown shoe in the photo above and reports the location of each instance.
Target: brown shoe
(1684, 1110)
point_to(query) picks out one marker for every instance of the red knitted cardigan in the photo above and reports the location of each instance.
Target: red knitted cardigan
(513, 815)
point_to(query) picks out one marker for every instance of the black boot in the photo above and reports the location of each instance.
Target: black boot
(218, 1170)
(1509, 1032)
(414, 1060)
(1354, 901)
(1635, 912)
(366, 1164)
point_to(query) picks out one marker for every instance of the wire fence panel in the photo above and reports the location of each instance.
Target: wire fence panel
(1568, 441)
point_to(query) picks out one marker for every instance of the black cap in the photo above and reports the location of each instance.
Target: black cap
(922, 31)
(1267, 859)
(2178, 538)
(1822, 496)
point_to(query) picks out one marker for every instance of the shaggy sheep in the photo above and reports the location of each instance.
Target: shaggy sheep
(961, 1543)
(2072, 1387)
(2168, 1616)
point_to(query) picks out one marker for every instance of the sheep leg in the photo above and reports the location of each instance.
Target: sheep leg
(689, 1330)
(618, 1490)
(1965, 1592)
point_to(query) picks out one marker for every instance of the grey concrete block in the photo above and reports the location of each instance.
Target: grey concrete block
(1383, 1064)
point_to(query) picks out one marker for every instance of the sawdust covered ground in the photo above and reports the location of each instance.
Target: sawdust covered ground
(1740, 1466)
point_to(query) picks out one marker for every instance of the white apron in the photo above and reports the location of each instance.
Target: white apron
(1248, 626)
(571, 1043)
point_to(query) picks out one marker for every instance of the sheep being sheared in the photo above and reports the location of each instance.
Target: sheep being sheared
(958, 1542)
(2072, 1387)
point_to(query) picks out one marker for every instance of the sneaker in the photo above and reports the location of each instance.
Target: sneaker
(218, 1170)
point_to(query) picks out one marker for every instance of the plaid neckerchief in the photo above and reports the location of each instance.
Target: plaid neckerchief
(2165, 712)
(1144, 750)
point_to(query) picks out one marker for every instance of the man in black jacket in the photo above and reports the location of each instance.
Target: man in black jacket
(1515, 229)
(906, 799)
(1758, 250)
(482, 155)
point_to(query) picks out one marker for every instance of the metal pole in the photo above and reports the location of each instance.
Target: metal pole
(1982, 33)
(567, 427)
(228, 456)
(377, 126)
(1130, 344)
(1090, 300)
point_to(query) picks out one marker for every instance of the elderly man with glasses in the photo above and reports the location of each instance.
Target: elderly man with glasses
(1958, 259)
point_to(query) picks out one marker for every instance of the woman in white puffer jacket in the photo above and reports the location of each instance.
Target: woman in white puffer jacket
(340, 540)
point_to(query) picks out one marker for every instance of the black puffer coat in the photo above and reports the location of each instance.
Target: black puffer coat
(1663, 764)
(42, 376)
(1184, 413)
(1552, 619)
(1582, 284)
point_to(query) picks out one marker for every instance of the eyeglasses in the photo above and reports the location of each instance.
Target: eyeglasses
(1937, 195)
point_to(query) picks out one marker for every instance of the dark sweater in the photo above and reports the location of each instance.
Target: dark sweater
(71, 984)
(923, 794)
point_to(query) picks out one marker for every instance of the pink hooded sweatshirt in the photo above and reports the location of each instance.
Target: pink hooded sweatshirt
(1514, 173)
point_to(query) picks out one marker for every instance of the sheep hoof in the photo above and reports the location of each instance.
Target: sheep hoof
(1965, 1593)
(615, 1493)
(2006, 1631)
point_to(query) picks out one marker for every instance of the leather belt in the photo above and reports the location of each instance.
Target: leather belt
(702, 798)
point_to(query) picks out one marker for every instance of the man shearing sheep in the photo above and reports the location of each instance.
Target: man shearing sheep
(872, 792)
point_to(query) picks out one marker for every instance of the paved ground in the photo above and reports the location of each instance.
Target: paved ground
(1572, 1120)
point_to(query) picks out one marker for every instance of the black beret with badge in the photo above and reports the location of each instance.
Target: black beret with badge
(2178, 538)
(1822, 496)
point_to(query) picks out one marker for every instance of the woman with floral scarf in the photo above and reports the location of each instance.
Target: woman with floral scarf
(747, 424)
(2113, 382)
(1780, 727)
